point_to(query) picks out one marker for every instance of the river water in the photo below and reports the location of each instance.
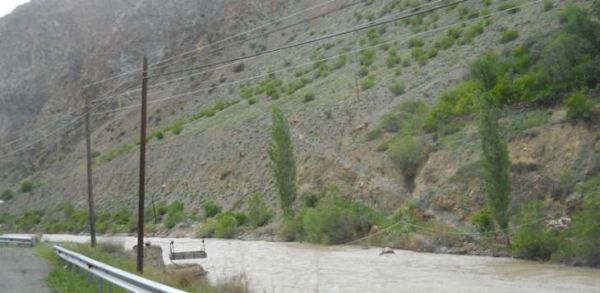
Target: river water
(296, 267)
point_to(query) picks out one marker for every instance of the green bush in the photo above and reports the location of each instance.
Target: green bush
(532, 240)
(29, 220)
(548, 5)
(407, 153)
(482, 219)
(367, 57)
(7, 195)
(578, 106)
(258, 212)
(581, 246)
(226, 226)
(363, 71)
(337, 220)
(291, 228)
(310, 199)
(456, 102)
(486, 70)
(509, 6)
(415, 42)
(175, 214)
(206, 229)
(509, 36)
(340, 61)
(27, 186)
(177, 127)
(240, 218)
(397, 87)
(309, 96)
(211, 208)
(368, 82)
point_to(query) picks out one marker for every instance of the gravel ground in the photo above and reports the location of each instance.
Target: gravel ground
(21, 271)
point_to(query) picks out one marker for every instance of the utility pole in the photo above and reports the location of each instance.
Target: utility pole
(140, 242)
(92, 215)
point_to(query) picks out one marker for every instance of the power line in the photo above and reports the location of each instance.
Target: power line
(48, 124)
(343, 7)
(79, 117)
(403, 38)
(249, 31)
(319, 39)
(208, 45)
(253, 57)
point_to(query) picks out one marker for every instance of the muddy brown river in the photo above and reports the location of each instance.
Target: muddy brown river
(296, 267)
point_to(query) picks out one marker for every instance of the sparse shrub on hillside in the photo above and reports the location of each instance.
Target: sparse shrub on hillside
(581, 244)
(177, 127)
(310, 199)
(340, 61)
(419, 55)
(578, 106)
(456, 102)
(175, 214)
(367, 57)
(296, 85)
(336, 220)
(482, 219)
(533, 240)
(239, 67)
(291, 228)
(207, 228)
(211, 209)
(485, 70)
(472, 31)
(509, 36)
(246, 92)
(508, 6)
(397, 87)
(258, 212)
(27, 186)
(363, 71)
(7, 195)
(560, 57)
(226, 226)
(159, 134)
(368, 82)
(578, 21)
(29, 220)
(407, 153)
(548, 5)
(415, 42)
(393, 59)
(309, 96)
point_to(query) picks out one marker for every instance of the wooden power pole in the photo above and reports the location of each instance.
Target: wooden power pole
(92, 214)
(140, 242)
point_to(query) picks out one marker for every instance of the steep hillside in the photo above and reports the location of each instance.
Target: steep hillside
(345, 97)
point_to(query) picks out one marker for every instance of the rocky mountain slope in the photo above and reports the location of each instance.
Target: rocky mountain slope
(210, 128)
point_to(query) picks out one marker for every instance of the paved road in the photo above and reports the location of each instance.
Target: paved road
(22, 271)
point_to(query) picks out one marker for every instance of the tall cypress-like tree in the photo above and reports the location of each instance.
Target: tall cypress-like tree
(283, 165)
(494, 161)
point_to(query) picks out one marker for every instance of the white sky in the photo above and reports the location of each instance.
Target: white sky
(7, 6)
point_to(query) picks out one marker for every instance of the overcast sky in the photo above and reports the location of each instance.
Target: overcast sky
(7, 6)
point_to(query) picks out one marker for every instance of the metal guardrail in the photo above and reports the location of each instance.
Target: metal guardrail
(112, 275)
(23, 241)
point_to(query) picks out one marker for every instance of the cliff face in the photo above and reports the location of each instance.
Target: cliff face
(50, 48)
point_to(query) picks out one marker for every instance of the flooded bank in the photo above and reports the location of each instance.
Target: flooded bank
(297, 267)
